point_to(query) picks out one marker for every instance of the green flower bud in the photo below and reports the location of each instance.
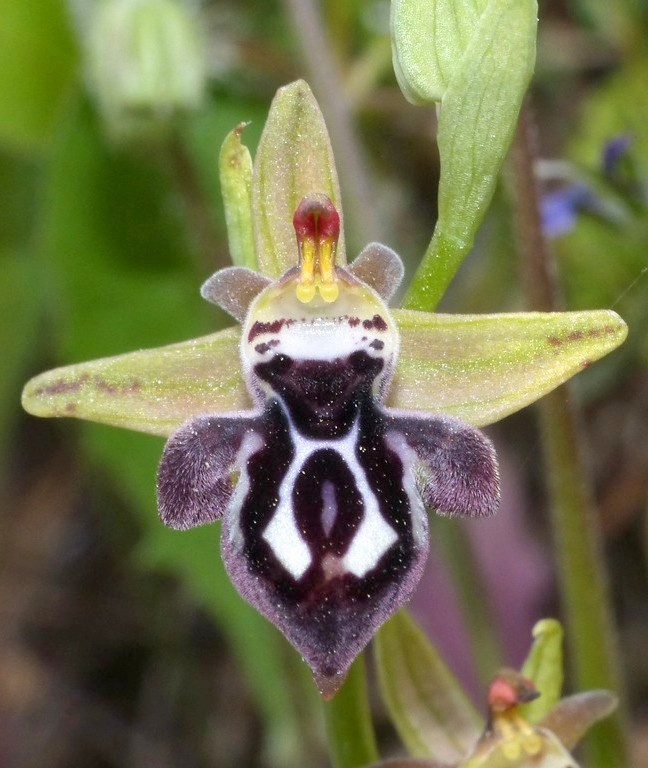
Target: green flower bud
(146, 65)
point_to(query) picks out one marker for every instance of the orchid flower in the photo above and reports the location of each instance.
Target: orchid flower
(510, 740)
(321, 427)
(527, 723)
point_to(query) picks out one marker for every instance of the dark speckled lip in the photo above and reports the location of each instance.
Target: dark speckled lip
(328, 611)
(322, 396)
(329, 618)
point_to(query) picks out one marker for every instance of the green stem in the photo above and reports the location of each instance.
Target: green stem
(439, 265)
(575, 522)
(484, 637)
(351, 738)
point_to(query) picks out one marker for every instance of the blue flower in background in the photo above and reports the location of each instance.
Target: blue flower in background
(559, 210)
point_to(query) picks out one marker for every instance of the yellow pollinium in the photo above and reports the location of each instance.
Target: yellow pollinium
(517, 735)
(317, 271)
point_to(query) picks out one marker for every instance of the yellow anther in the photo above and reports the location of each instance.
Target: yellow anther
(305, 288)
(317, 225)
(329, 291)
(505, 728)
(511, 749)
(305, 292)
(532, 743)
(307, 262)
(317, 272)
(327, 251)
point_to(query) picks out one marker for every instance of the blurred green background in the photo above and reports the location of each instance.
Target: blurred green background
(121, 642)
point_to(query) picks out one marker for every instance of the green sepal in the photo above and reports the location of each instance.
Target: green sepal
(294, 158)
(481, 368)
(152, 391)
(544, 665)
(235, 168)
(427, 705)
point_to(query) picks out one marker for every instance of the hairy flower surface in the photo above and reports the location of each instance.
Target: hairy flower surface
(325, 531)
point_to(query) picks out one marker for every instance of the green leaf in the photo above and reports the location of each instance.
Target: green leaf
(481, 368)
(294, 158)
(544, 665)
(428, 707)
(154, 390)
(573, 716)
(37, 59)
(235, 164)
(479, 67)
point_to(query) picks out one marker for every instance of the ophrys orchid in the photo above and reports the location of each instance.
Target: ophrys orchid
(321, 430)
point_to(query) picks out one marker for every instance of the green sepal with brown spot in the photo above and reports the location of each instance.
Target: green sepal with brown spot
(154, 390)
(480, 368)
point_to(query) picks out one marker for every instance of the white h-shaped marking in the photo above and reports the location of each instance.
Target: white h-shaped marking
(373, 537)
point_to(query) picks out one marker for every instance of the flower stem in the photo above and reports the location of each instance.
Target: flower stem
(351, 738)
(476, 609)
(439, 265)
(576, 530)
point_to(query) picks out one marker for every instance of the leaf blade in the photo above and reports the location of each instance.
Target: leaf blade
(481, 368)
(428, 707)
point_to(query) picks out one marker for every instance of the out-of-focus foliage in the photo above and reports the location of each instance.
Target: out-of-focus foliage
(103, 248)
(38, 54)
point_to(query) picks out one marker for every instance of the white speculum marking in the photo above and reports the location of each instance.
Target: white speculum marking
(324, 339)
(251, 444)
(329, 507)
(373, 537)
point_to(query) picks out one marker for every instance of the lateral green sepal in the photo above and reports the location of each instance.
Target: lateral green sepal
(154, 390)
